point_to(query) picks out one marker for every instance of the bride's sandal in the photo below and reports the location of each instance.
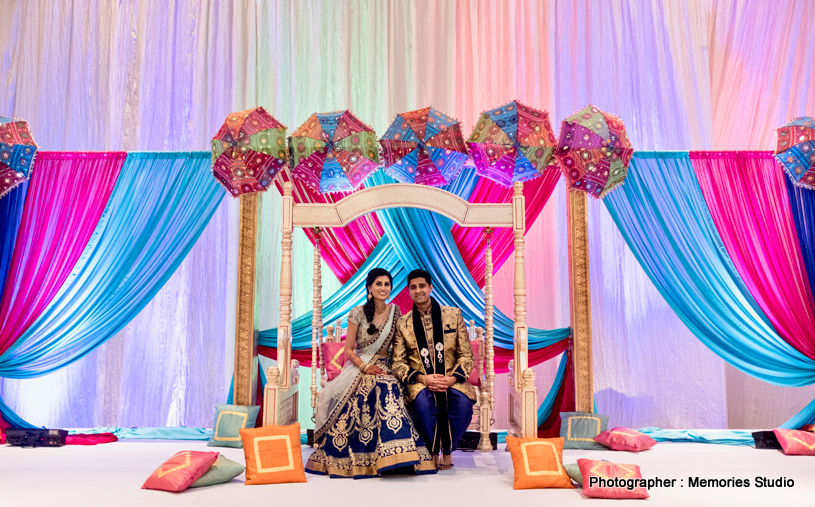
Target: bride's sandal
(446, 462)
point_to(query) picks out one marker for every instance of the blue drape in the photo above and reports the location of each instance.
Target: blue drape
(663, 217)
(417, 238)
(722, 437)
(802, 202)
(549, 402)
(159, 207)
(11, 214)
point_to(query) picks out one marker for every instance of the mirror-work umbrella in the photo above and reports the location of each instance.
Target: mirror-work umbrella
(334, 152)
(594, 151)
(796, 150)
(248, 151)
(424, 146)
(512, 143)
(17, 151)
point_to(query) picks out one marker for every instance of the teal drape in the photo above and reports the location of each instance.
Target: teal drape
(663, 217)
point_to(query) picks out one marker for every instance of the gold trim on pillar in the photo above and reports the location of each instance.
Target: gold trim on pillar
(245, 343)
(580, 301)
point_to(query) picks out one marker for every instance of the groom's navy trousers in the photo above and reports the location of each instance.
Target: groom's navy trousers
(424, 412)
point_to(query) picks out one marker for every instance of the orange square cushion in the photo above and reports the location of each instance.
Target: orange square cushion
(796, 441)
(179, 472)
(538, 463)
(273, 454)
(334, 358)
(621, 476)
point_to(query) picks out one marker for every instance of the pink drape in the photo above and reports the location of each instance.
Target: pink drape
(747, 196)
(66, 196)
(344, 249)
(470, 240)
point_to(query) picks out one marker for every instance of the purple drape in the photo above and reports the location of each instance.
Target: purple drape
(747, 197)
(66, 196)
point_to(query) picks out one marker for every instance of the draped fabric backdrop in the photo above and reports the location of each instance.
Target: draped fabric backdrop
(144, 76)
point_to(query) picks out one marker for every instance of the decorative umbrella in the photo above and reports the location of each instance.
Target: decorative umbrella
(512, 143)
(594, 151)
(424, 146)
(796, 150)
(334, 152)
(248, 151)
(17, 150)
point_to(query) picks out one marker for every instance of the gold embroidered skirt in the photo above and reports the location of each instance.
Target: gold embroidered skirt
(371, 434)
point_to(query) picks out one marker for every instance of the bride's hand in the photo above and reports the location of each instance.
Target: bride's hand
(374, 370)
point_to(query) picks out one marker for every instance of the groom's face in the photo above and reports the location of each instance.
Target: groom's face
(420, 291)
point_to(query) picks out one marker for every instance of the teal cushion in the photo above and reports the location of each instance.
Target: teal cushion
(578, 429)
(229, 419)
(223, 470)
(573, 470)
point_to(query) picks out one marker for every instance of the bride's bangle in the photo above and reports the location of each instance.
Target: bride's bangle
(364, 367)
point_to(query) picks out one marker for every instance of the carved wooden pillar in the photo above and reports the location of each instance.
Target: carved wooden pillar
(521, 348)
(284, 327)
(316, 322)
(244, 389)
(488, 322)
(525, 377)
(580, 301)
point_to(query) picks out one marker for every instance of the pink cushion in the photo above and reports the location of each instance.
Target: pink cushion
(605, 471)
(625, 439)
(179, 472)
(796, 441)
(334, 358)
(90, 439)
(475, 378)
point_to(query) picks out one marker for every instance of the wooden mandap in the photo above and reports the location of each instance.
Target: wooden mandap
(283, 384)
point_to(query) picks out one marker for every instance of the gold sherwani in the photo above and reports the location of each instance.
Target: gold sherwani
(458, 353)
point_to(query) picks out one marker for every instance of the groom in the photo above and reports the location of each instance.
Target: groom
(433, 357)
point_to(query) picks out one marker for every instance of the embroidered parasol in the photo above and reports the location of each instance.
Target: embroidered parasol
(424, 146)
(248, 151)
(512, 143)
(17, 151)
(334, 152)
(594, 151)
(796, 150)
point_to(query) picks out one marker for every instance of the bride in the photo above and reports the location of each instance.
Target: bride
(362, 427)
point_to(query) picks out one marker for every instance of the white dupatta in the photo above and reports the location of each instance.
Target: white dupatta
(334, 392)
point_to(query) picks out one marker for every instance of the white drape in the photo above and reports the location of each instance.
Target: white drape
(158, 75)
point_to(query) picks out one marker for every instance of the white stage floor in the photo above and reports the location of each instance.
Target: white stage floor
(112, 475)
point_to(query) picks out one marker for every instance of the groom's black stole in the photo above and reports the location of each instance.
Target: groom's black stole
(432, 355)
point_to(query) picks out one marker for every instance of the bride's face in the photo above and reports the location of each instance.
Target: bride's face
(381, 288)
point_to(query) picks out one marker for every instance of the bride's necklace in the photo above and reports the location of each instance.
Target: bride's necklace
(377, 321)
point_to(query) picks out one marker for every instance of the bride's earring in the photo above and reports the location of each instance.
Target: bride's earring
(370, 295)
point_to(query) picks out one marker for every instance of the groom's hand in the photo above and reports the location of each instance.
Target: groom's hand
(438, 383)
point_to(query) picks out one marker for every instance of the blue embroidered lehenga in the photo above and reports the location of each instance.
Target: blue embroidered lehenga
(363, 427)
